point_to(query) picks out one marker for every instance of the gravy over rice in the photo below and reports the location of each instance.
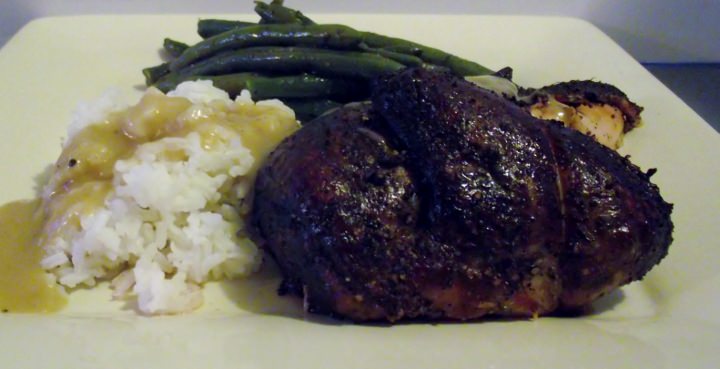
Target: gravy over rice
(150, 196)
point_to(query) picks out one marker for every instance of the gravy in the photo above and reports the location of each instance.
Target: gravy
(24, 285)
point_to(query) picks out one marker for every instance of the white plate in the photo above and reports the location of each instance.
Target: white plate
(669, 320)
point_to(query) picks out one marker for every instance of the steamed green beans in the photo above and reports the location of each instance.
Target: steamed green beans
(329, 36)
(265, 35)
(273, 13)
(211, 27)
(153, 74)
(276, 13)
(347, 64)
(311, 67)
(263, 87)
(174, 48)
(405, 59)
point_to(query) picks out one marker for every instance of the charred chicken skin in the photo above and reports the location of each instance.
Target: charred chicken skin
(441, 200)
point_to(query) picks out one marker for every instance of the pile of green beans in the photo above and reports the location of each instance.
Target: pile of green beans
(311, 67)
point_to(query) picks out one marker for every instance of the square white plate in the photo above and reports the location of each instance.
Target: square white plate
(669, 320)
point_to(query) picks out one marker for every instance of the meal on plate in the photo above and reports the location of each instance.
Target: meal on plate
(387, 179)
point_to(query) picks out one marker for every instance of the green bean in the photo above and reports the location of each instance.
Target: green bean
(428, 54)
(304, 86)
(323, 36)
(174, 48)
(153, 74)
(266, 35)
(211, 27)
(287, 60)
(457, 65)
(276, 13)
(309, 109)
(263, 87)
(405, 59)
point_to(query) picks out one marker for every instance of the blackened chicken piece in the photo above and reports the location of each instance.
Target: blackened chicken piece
(488, 184)
(577, 93)
(445, 201)
(338, 212)
(617, 226)
(489, 171)
(593, 108)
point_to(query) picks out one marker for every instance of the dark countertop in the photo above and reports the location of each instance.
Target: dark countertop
(698, 85)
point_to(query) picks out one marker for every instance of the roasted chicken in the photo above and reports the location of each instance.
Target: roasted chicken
(593, 108)
(441, 200)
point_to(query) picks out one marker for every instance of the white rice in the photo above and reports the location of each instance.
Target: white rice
(169, 224)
